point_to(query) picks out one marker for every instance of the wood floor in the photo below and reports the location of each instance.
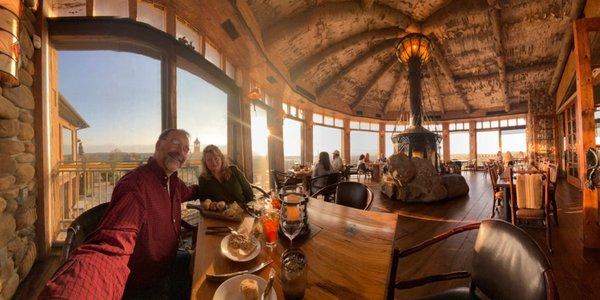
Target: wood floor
(577, 271)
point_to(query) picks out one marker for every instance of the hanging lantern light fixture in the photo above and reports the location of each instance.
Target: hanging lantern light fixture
(10, 50)
(413, 45)
(254, 94)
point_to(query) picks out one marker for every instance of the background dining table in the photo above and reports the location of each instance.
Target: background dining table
(349, 253)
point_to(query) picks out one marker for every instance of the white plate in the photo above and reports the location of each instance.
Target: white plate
(230, 289)
(225, 250)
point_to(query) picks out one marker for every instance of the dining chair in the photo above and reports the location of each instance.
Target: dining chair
(281, 179)
(506, 264)
(525, 205)
(81, 227)
(332, 178)
(553, 175)
(497, 192)
(353, 194)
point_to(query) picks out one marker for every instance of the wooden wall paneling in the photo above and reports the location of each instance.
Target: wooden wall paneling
(307, 136)
(586, 126)
(346, 142)
(472, 140)
(446, 141)
(382, 140)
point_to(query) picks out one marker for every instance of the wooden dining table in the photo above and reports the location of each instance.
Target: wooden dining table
(349, 254)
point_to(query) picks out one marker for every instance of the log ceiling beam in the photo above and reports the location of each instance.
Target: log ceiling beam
(387, 65)
(540, 67)
(436, 86)
(443, 63)
(299, 69)
(331, 10)
(395, 91)
(495, 16)
(577, 7)
(385, 45)
(451, 9)
(367, 4)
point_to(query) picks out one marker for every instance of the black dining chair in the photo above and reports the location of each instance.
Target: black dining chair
(281, 179)
(81, 227)
(350, 193)
(507, 264)
(332, 178)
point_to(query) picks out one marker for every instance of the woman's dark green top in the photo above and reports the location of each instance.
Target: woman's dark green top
(236, 188)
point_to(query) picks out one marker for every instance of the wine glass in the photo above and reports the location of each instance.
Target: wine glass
(291, 220)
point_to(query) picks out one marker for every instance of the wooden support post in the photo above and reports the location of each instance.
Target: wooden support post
(133, 9)
(275, 125)
(346, 142)
(168, 68)
(446, 141)
(585, 130)
(472, 141)
(382, 140)
(246, 131)
(307, 137)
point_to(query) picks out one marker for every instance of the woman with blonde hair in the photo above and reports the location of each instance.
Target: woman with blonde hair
(220, 181)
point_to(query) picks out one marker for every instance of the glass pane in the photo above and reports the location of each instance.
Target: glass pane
(494, 124)
(230, 71)
(301, 114)
(459, 126)
(188, 35)
(326, 139)
(66, 144)
(390, 127)
(512, 122)
(459, 145)
(503, 123)
(212, 54)
(293, 111)
(354, 125)
(375, 126)
(521, 121)
(514, 141)
(486, 124)
(318, 118)
(292, 143)
(285, 107)
(152, 14)
(488, 145)
(202, 111)
(452, 126)
(113, 8)
(438, 128)
(389, 145)
(119, 98)
(466, 126)
(328, 121)
(69, 8)
(362, 142)
(365, 125)
(339, 123)
(260, 147)
(478, 125)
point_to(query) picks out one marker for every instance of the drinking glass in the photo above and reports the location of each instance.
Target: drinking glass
(291, 219)
(293, 274)
(270, 224)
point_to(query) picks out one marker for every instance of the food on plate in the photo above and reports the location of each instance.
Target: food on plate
(213, 206)
(234, 210)
(240, 245)
(221, 205)
(249, 288)
(206, 204)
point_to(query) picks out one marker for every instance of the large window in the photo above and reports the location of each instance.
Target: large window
(515, 141)
(326, 139)
(362, 142)
(488, 145)
(459, 145)
(202, 111)
(260, 146)
(292, 145)
(119, 98)
(389, 145)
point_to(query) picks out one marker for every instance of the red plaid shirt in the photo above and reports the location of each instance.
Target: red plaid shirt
(135, 243)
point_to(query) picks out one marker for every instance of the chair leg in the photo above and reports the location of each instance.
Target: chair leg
(554, 208)
(493, 207)
(548, 234)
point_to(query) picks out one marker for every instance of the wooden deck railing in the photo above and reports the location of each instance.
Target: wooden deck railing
(79, 186)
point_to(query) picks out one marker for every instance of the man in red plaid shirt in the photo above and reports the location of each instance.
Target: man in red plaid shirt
(133, 251)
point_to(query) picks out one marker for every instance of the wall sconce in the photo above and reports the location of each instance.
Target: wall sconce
(254, 94)
(10, 50)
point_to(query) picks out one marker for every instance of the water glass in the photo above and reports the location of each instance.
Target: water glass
(293, 274)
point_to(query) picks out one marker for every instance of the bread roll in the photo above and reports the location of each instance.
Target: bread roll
(249, 289)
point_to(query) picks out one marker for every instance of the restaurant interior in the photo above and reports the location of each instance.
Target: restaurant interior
(478, 118)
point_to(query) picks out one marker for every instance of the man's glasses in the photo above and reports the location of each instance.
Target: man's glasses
(178, 143)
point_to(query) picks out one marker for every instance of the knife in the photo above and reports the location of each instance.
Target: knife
(222, 277)
(265, 294)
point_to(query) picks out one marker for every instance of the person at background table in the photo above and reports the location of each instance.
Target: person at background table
(336, 162)
(367, 158)
(362, 163)
(133, 251)
(383, 160)
(221, 181)
(323, 167)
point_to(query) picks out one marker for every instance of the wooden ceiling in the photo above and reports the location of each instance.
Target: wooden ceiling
(488, 55)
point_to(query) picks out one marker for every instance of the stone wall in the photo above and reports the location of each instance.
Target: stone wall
(17, 170)
(541, 127)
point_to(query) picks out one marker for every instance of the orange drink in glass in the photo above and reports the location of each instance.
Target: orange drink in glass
(270, 223)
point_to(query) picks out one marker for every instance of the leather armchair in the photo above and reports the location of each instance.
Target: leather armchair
(507, 264)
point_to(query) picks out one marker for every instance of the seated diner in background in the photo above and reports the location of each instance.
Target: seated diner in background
(133, 252)
(220, 181)
(362, 163)
(336, 162)
(323, 167)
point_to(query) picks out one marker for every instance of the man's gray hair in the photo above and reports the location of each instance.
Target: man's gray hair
(163, 135)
